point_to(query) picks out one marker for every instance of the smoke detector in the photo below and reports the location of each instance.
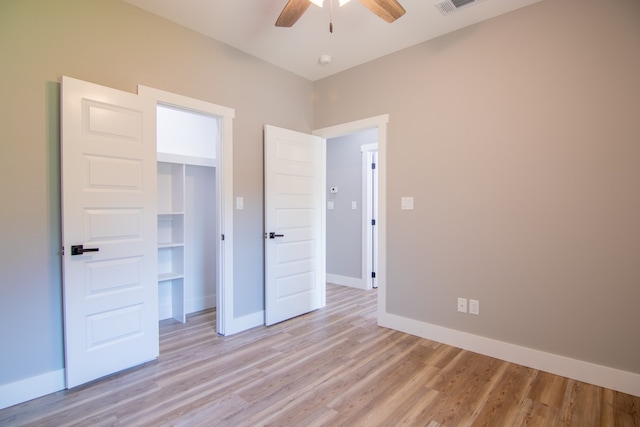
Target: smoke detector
(324, 59)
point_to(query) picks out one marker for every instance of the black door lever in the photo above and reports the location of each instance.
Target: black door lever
(79, 250)
(273, 235)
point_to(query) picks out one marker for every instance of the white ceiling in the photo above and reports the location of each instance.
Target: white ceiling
(358, 35)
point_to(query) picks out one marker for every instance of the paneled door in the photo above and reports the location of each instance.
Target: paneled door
(109, 230)
(294, 168)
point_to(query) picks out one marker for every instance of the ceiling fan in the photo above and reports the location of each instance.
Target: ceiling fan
(389, 10)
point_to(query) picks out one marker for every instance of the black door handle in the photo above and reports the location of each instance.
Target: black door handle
(79, 250)
(273, 235)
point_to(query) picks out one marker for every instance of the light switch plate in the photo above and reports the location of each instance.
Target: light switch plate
(239, 203)
(329, 205)
(406, 203)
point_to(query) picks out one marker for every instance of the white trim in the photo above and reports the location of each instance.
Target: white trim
(187, 160)
(323, 224)
(352, 282)
(602, 376)
(368, 266)
(200, 303)
(185, 102)
(381, 123)
(31, 388)
(246, 322)
(355, 126)
(224, 197)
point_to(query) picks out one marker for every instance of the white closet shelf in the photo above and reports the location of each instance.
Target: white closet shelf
(164, 277)
(187, 160)
(170, 245)
(171, 218)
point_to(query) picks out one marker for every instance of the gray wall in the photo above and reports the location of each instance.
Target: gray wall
(344, 224)
(520, 140)
(114, 44)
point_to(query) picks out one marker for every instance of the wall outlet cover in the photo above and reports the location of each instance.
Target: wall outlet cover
(474, 307)
(462, 305)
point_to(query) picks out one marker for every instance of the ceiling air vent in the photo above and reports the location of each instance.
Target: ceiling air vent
(449, 6)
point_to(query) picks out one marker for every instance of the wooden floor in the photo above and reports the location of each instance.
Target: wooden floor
(332, 367)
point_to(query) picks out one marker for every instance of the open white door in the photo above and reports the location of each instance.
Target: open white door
(109, 207)
(294, 175)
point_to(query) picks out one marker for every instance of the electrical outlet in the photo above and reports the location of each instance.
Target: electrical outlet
(474, 307)
(462, 305)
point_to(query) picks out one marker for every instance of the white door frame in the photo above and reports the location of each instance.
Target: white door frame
(369, 244)
(224, 198)
(379, 122)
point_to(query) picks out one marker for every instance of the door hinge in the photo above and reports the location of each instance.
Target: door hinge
(373, 274)
(373, 222)
(373, 165)
(222, 237)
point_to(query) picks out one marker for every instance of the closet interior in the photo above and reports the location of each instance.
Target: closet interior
(187, 145)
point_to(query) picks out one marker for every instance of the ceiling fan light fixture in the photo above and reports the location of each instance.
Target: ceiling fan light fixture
(389, 10)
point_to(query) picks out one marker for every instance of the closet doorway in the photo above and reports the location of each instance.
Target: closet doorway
(366, 140)
(187, 215)
(195, 245)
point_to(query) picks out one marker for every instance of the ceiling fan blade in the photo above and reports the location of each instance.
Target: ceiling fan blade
(292, 12)
(389, 10)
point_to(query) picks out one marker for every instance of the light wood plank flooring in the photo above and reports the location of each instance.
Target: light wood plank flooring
(332, 367)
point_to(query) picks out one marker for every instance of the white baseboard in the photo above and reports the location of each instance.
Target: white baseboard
(243, 323)
(191, 306)
(198, 304)
(603, 376)
(31, 388)
(352, 282)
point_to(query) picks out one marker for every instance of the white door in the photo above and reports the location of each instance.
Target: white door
(374, 216)
(294, 169)
(109, 207)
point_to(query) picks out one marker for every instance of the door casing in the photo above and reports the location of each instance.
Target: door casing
(226, 322)
(379, 122)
